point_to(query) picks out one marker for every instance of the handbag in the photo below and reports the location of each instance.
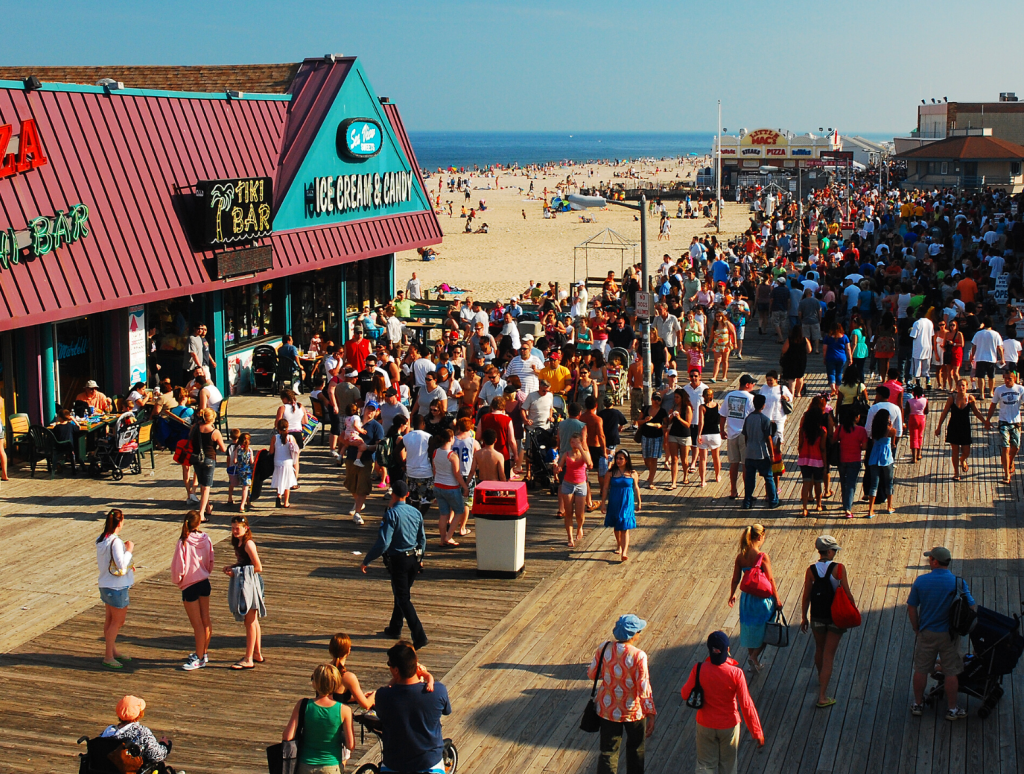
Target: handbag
(845, 614)
(755, 582)
(832, 453)
(277, 763)
(696, 698)
(126, 759)
(591, 721)
(113, 569)
(197, 456)
(776, 631)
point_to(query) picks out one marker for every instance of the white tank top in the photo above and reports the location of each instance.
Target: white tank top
(443, 470)
(293, 414)
(464, 448)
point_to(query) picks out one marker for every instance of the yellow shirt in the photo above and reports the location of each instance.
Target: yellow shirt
(557, 377)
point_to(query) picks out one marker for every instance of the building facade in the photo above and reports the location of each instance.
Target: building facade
(744, 154)
(258, 200)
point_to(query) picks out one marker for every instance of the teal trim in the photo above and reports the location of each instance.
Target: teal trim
(385, 184)
(288, 306)
(46, 360)
(220, 375)
(81, 88)
(391, 274)
(343, 305)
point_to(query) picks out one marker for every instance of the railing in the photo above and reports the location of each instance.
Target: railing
(959, 181)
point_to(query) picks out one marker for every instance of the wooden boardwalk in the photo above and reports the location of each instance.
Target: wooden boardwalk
(514, 652)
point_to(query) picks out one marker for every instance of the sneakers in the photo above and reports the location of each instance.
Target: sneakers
(917, 710)
(956, 714)
(359, 463)
(194, 662)
(358, 519)
(334, 453)
(192, 498)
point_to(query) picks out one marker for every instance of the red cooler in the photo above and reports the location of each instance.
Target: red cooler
(499, 508)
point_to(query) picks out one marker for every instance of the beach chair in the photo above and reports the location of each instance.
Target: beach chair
(19, 439)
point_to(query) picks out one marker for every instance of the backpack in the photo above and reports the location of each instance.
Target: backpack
(822, 593)
(962, 619)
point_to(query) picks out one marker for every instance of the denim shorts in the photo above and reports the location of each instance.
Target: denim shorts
(115, 597)
(575, 490)
(204, 472)
(449, 500)
(603, 463)
(1009, 435)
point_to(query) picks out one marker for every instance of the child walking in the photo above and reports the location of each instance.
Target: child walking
(232, 464)
(244, 462)
(286, 452)
(917, 408)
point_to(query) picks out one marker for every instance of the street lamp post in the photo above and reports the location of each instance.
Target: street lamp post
(718, 173)
(645, 322)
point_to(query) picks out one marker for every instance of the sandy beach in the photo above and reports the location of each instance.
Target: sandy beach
(502, 262)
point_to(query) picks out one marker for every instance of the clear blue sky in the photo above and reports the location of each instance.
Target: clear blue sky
(608, 66)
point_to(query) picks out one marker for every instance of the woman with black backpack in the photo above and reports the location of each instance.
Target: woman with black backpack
(820, 583)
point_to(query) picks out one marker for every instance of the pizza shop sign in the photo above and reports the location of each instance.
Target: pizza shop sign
(43, 236)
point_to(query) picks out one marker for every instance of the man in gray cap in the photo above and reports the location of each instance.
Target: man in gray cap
(625, 702)
(928, 605)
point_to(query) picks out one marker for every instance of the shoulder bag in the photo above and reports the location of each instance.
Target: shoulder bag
(195, 439)
(591, 721)
(283, 757)
(696, 698)
(113, 569)
(776, 631)
(845, 614)
(755, 582)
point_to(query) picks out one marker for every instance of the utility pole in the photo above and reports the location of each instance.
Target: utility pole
(645, 322)
(718, 173)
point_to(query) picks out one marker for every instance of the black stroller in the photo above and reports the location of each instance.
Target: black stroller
(997, 645)
(264, 368)
(97, 757)
(118, 451)
(541, 453)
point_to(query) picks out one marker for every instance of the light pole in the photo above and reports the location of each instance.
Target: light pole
(645, 322)
(718, 173)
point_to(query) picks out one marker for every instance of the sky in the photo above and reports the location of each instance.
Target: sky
(597, 66)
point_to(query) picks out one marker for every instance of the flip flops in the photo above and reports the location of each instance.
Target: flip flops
(239, 666)
(827, 703)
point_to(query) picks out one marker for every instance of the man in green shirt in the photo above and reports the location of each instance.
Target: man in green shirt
(403, 306)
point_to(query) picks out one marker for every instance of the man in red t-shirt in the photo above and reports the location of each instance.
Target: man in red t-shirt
(357, 350)
(501, 423)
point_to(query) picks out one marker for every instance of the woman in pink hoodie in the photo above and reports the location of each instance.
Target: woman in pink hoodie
(190, 569)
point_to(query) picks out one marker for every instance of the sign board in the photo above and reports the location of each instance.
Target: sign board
(137, 344)
(360, 138)
(643, 304)
(1019, 329)
(792, 186)
(1002, 294)
(249, 260)
(232, 211)
(44, 236)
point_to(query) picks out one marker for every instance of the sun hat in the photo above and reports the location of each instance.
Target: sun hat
(628, 626)
(826, 543)
(130, 708)
(91, 385)
(718, 647)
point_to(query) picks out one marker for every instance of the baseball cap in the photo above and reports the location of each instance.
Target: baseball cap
(718, 647)
(826, 543)
(627, 626)
(671, 372)
(391, 392)
(746, 379)
(940, 554)
(351, 374)
(400, 489)
(528, 337)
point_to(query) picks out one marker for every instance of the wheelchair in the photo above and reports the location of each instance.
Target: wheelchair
(96, 758)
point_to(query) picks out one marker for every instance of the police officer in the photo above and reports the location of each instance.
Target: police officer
(402, 542)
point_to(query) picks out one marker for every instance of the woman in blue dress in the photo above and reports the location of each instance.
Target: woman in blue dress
(755, 611)
(620, 500)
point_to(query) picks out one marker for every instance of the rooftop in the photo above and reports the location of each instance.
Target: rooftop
(255, 78)
(967, 148)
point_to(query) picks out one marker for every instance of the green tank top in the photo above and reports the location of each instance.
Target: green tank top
(323, 736)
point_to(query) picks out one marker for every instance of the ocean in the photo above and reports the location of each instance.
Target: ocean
(464, 149)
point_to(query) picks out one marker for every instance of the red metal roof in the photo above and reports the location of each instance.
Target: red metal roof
(129, 158)
(967, 148)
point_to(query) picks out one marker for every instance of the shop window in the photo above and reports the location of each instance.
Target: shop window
(77, 358)
(251, 312)
(315, 306)
(1014, 168)
(944, 168)
(171, 322)
(367, 283)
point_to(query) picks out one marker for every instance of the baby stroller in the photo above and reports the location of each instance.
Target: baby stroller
(118, 451)
(264, 368)
(617, 389)
(541, 454)
(997, 645)
(96, 758)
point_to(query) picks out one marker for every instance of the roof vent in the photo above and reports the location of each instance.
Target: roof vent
(332, 57)
(32, 83)
(385, 100)
(110, 83)
(232, 94)
(1007, 96)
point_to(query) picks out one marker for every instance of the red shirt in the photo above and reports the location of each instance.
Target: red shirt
(851, 444)
(356, 352)
(725, 694)
(968, 290)
(502, 425)
(895, 392)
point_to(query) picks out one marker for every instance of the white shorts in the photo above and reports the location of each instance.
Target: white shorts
(921, 367)
(740, 330)
(709, 442)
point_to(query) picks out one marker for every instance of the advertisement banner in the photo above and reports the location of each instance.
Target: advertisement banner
(136, 344)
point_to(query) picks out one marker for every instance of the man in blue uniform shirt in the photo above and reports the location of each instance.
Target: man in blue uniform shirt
(402, 541)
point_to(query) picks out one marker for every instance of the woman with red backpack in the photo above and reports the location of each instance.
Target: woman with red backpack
(821, 582)
(754, 585)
